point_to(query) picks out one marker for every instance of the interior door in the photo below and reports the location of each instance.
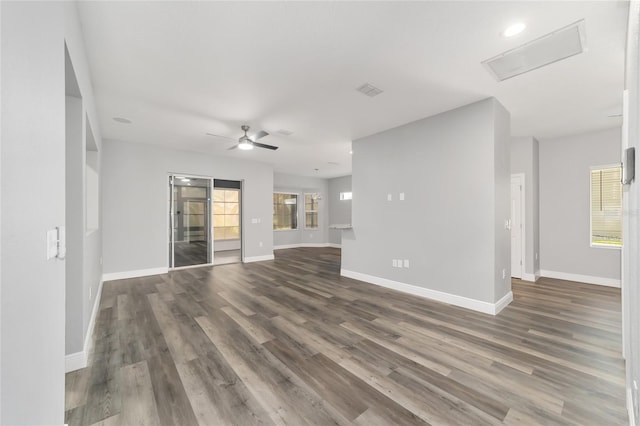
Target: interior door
(516, 227)
(190, 235)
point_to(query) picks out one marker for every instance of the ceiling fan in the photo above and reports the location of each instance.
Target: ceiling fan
(248, 142)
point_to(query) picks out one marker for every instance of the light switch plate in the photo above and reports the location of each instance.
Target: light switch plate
(52, 243)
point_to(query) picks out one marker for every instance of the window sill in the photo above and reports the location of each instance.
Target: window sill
(606, 246)
(285, 230)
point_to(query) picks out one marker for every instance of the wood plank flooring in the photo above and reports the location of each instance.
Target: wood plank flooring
(290, 342)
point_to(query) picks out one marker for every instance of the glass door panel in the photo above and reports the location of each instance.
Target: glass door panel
(190, 224)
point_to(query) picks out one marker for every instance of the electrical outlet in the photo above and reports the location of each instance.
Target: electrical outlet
(536, 256)
(406, 263)
(394, 263)
(402, 196)
(89, 293)
(260, 244)
(389, 197)
(504, 274)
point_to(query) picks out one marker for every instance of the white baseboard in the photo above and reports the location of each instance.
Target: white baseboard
(452, 299)
(530, 277)
(589, 279)
(502, 303)
(75, 361)
(297, 245)
(258, 258)
(78, 360)
(134, 274)
(630, 410)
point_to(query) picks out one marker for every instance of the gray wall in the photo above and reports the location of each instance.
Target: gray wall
(454, 171)
(631, 217)
(525, 159)
(564, 204)
(339, 210)
(84, 249)
(135, 201)
(301, 185)
(32, 324)
(74, 209)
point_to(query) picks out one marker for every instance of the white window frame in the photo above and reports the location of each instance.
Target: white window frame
(297, 194)
(317, 212)
(591, 243)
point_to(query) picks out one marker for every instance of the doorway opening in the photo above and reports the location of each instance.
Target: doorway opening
(227, 221)
(189, 221)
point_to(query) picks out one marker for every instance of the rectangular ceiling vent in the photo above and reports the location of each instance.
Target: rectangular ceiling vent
(369, 90)
(550, 48)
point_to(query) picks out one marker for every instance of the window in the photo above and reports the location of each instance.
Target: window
(311, 211)
(226, 214)
(285, 211)
(606, 207)
(346, 196)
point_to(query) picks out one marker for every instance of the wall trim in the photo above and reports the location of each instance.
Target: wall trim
(78, 360)
(530, 277)
(334, 245)
(75, 361)
(630, 410)
(297, 245)
(452, 299)
(258, 258)
(502, 303)
(588, 279)
(134, 274)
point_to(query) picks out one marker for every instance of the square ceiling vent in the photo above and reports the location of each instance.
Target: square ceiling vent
(550, 48)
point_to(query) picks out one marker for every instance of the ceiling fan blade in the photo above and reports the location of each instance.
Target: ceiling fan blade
(260, 134)
(218, 136)
(261, 145)
(233, 147)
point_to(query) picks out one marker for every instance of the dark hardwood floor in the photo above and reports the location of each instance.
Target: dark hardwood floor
(291, 342)
(187, 253)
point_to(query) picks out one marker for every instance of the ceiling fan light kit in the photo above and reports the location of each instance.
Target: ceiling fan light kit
(247, 143)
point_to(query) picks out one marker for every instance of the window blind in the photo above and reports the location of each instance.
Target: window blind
(606, 206)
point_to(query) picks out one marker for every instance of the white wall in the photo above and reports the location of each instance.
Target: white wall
(454, 171)
(339, 210)
(33, 147)
(631, 219)
(135, 202)
(301, 185)
(565, 250)
(84, 249)
(525, 159)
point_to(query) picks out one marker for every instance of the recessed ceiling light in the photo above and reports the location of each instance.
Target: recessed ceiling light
(514, 29)
(122, 120)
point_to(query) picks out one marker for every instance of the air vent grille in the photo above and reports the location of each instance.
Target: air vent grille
(550, 48)
(369, 90)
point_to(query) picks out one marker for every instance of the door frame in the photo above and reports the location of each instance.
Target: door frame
(523, 233)
(170, 219)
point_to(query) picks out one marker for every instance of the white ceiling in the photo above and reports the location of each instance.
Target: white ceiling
(181, 69)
